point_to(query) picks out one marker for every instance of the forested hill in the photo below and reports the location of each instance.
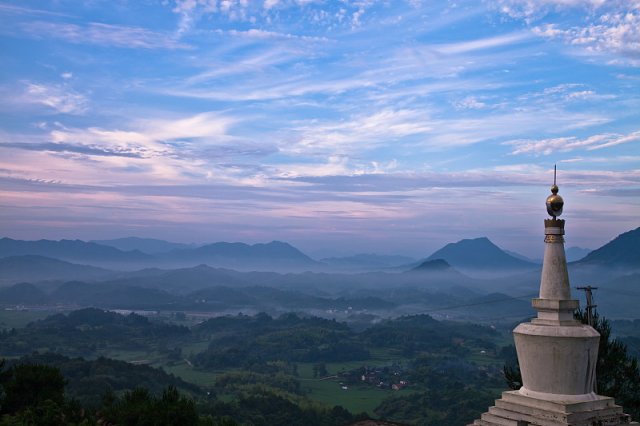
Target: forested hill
(88, 381)
(90, 332)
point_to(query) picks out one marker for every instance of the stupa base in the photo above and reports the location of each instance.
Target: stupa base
(515, 409)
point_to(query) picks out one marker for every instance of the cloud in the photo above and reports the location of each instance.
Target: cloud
(7, 8)
(568, 92)
(617, 32)
(470, 102)
(157, 138)
(536, 9)
(70, 148)
(449, 133)
(482, 43)
(59, 97)
(256, 33)
(184, 149)
(359, 133)
(571, 143)
(610, 27)
(103, 35)
(313, 13)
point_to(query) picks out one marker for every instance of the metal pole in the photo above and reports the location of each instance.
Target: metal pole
(589, 308)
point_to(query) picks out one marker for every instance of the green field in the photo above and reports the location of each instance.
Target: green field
(356, 398)
(191, 375)
(19, 318)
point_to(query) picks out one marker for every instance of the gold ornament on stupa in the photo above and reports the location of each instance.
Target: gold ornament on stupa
(554, 201)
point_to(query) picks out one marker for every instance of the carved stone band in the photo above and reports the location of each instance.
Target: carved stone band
(553, 238)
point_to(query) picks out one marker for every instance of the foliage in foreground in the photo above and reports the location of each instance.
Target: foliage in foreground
(34, 394)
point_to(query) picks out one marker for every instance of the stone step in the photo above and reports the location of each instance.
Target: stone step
(524, 417)
(554, 418)
(497, 420)
(519, 410)
(482, 422)
(612, 415)
(600, 402)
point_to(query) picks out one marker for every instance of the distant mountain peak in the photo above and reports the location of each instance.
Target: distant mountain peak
(480, 254)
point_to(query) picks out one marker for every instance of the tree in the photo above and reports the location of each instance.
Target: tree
(140, 408)
(617, 373)
(27, 385)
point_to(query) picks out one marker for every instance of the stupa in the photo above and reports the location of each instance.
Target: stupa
(557, 354)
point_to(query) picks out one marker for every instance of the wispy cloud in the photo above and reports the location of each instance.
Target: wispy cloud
(59, 97)
(571, 143)
(18, 10)
(182, 149)
(470, 102)
(359, 133)
(255, 33)
(103, 35)
(69, 148)
(483, 43)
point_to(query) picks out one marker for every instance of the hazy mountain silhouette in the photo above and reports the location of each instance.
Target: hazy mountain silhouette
(623, 251)
(522, 257)
(22, 293)
(181, 281)
(145, 245)
(618, 296)
(367, 261)
(479, 254)
(433, 265)
(34, 268)
(273, 255)
(576, 253)
(71, 250)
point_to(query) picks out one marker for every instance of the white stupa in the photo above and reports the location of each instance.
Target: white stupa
(557, 354)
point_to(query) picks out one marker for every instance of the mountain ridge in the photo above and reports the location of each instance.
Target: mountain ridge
(145, 245)
(622, 251)
(69, 250)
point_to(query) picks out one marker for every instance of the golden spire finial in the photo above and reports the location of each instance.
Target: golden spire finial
(554, 201)
(554, 188)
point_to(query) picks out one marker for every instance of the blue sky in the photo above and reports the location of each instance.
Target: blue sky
(338, 126)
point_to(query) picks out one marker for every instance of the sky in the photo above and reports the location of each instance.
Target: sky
(341, 127)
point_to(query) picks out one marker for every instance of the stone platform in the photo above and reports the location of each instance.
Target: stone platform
(514, 409)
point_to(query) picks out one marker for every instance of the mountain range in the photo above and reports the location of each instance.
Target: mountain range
(72, 251)
(33, 261)
(447, 278)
